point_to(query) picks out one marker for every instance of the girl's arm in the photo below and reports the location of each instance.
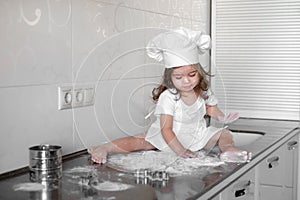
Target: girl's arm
(214, 112)
(217, 114)
(166, 124)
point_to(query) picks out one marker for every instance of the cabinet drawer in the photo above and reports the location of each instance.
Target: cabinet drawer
(241, 189)
(280, 168)
(275, 193)
(272, 169)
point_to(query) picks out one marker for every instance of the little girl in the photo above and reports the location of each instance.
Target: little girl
(182, 101)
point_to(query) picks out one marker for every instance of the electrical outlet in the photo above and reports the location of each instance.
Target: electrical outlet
(80, 96)
(65, 97)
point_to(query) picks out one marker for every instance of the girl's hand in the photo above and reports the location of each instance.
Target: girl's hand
(229, 117)
(188, 154)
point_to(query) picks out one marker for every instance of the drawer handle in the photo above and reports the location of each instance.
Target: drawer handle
(292, 145)
(239, 193)
(242, 188)
(273, 162)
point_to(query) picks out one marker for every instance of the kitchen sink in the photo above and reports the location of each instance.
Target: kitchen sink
(245, 137)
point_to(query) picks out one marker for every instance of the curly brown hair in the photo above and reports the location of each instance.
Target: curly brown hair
(200, 88)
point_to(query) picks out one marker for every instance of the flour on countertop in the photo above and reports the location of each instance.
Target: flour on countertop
(84, 169)
(81, 171)
(28, 187)
(111, 186)
(87, 176)
(167, 161)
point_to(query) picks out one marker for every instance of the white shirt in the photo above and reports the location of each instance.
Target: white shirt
(189, 124)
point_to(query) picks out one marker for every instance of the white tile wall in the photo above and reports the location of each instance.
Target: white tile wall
(32, 35)
(46, 44)
(29, 116)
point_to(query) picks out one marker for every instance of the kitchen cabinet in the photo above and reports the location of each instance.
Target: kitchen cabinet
(277, 174)
(241, 189)
(275, 177)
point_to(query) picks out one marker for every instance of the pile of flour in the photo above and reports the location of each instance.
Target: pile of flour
(158, 161)
(112, 186)
(30, 186)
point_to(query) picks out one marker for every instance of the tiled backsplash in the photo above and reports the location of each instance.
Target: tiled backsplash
(46, 44)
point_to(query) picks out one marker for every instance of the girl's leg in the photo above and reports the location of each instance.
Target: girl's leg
(230, 153)
(121, 145)
(224, 140)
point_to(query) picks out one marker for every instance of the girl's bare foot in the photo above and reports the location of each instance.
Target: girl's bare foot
(98, 154)
(234, 154)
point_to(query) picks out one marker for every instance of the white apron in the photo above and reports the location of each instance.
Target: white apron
(189, 124)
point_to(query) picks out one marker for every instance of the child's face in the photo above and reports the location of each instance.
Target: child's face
(185, 78)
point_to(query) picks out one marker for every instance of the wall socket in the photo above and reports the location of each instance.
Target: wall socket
(74, 97)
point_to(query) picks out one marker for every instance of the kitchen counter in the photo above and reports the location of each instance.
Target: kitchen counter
(204, 185)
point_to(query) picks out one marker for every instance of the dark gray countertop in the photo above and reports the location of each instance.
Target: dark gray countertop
(181, 187)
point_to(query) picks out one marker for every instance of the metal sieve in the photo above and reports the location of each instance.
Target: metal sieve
(45, 162)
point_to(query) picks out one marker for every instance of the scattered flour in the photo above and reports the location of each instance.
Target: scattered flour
(112, 186)
(167, 161)
(83, 175)
(81, 171)
(85, 169)
(87, 176)
(28, 187)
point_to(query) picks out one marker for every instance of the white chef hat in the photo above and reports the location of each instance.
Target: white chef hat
(178, 47)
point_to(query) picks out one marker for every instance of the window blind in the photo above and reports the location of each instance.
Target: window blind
(256, 57)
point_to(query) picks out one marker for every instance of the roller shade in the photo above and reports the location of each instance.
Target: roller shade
(256, 57)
